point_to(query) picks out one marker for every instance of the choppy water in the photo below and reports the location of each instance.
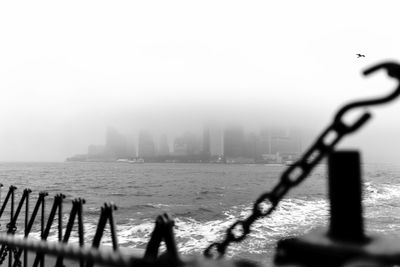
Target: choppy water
(204, 200)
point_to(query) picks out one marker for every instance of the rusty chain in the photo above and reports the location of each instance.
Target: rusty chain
(296, 173)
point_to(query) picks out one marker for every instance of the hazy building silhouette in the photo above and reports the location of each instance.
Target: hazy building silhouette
(180, 146)
(116, 144)
(95, 150)
(279, 138)
(285, 143)
(146, 145)
(163, 147)
(187, 144)
(292, 146)
(194, 144)
(234, 142)
(131, 147)
(216, 141)
(252, 146)
(206, 141)
(265, 141)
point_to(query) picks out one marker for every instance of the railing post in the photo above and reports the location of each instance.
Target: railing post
(25, 229)
(12, 189)
(344, 239)
(345, 194)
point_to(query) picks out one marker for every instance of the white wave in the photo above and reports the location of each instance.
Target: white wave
(161, 206)
(292, 217)
(379, 192)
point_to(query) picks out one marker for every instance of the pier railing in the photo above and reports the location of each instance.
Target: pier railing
(23, 250)
(16, 249)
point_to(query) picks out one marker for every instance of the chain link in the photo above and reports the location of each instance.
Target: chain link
(12, 228)
(4, 255)
(292, 176)
(17, 260)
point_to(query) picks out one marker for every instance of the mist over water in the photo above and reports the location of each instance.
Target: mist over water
(42, 137)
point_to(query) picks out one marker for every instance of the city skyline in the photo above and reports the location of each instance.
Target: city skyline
(215, 143)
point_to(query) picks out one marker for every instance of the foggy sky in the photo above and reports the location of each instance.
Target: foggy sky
(69, 70)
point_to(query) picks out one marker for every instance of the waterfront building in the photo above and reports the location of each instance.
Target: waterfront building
(193, 142)
(95, 150)
(146, 145)
(252, 146)
(216, 140)
(180, 146)
(116, 144)
(234, 142)
(163, 146)
(285, 143)
(131, 146)
(265, 141)
(206, 141)
(187, 144)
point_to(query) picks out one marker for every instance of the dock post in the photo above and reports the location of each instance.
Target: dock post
(345, 194)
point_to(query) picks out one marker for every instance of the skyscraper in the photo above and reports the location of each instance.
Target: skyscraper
(265, 141)
(193, 143)
(131, 146)
(146, 145)
(187, 144)
(216, 140)
(206, 141)
(116, 144)
(234, 142)
(252, 146)
(180, 146)
(163, 147)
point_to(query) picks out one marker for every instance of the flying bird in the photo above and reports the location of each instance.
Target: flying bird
(359, 55)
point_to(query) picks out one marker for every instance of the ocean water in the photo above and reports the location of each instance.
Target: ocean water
(203, 199)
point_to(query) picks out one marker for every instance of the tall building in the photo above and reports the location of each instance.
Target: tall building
(180, 146)
(96, 152)
(131, 146)
(279, 138)
(163, 147)
(193, 142)
(146, 145)
(116, 144)
(265, 141)
(286, 142)
(187, 144)
(216, 140)
(206, 141)
(252, 146)
(234, 142)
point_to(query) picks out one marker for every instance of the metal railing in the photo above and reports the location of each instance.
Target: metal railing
(85, 254)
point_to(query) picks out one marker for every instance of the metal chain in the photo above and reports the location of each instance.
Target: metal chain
(14, 252)
(12, 228)
(293, 175)
(4, 255)
(17, 260)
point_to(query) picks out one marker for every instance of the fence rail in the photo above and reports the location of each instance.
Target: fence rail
(72, 251)
(85, 254)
